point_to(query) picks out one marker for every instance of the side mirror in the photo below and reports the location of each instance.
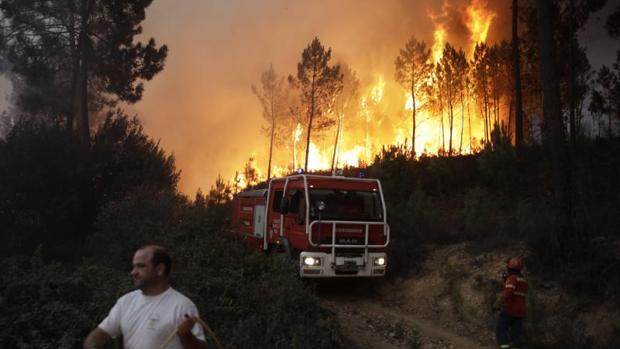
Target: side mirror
(320, 205)
(284, 205)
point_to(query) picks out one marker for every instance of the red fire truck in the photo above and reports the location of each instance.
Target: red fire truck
(334, 226)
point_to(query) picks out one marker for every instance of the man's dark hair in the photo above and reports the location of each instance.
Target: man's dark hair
(160, 256)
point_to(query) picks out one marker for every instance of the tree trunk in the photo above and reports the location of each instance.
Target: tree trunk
(555, 132)
(336, 143)
(516, 58)
(273, 132)
(571, 78)
(450, 124)
(511, 106)
(308, 140)
(273, 126)
(75, 59)
(469, 124)
(82, 90)
(462, 125)
(310, 118)
(443, 135)
(294, 150)
(413, 121)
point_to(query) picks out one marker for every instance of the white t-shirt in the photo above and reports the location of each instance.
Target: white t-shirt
(146, 321)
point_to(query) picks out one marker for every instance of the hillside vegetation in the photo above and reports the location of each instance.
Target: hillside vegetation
(497, 197)
(499, 203)
(71, 221)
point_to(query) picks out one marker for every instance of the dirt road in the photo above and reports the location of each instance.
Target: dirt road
(368, 321)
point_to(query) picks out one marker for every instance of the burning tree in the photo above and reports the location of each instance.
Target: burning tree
(344, 104)
(516, 63)
(451, 75)
(482, 85)
(273, 97)
(414, 69)
(318, 84)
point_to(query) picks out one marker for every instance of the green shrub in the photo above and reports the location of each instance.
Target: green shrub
(40, 193)
(411, 224)
(51, 305)
(497, 163)
(52, 186)
(141, 217)
(124, 158)
(479, 214)
(394, 168)
(438, 175)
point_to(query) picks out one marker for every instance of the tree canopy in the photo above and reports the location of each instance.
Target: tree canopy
(318, 83)
(70, 58)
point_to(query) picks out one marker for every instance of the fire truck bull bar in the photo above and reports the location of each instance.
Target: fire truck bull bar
(357, 266)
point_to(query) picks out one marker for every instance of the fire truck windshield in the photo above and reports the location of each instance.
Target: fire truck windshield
(346, 205)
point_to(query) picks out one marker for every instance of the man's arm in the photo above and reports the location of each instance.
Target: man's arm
(96, 339)
(187, 338)
(509, 288)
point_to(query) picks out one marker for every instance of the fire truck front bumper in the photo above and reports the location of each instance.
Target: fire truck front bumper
(322, 265)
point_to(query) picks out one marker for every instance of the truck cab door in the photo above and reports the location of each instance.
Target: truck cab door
(294, 219)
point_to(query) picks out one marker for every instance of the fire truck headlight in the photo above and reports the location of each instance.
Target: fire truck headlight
(380, 261)
(312, 261)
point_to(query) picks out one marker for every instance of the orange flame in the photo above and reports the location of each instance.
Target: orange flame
(382, 102)
(478, 21)
(439, 43)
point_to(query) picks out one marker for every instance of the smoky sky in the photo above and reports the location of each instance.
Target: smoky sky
(201, 107)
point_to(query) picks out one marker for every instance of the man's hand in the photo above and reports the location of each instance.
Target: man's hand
(96, 339)
(184, 331)
(499, 303)
(185, 327)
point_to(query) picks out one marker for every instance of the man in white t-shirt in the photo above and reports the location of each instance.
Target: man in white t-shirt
(148, 316)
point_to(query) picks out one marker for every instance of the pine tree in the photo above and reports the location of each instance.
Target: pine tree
(413, 72)
(318, 83)
(272, 96)
(70, 58)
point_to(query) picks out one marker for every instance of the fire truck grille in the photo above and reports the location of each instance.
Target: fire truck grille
(350, 253)
(343, 241)
(346, 269)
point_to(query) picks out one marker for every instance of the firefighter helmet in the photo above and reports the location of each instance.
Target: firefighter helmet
(515, 263)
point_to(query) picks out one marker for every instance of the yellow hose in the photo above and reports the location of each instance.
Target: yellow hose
(204, 325)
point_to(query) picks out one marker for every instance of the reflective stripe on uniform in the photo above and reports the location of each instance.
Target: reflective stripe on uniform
(520, 279)
(511, 286)
(505, 346)
(519, 293)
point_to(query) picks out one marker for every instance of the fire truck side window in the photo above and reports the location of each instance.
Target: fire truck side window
(296, 199)
(277, 200)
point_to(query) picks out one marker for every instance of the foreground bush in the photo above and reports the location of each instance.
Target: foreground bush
(249, 299)
(50, 305)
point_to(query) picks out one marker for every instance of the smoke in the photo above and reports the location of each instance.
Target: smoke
(201, 107)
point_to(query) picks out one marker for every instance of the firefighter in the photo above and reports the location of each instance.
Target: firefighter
(513, 306)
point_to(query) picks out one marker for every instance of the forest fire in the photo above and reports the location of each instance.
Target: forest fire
(439, 43)
(479, 22)
(488, 133)
(446, 122)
